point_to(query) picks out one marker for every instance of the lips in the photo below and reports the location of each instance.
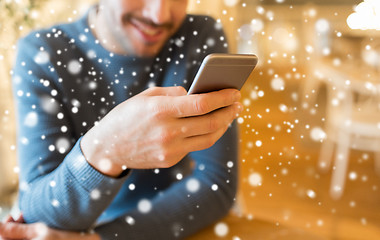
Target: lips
(149, 33)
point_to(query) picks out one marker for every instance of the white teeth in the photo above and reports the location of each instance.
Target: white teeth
(147, 30)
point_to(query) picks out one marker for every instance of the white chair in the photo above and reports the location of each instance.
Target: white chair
(352, 121)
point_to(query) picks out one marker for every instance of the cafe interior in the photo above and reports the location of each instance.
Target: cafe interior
(309, 161)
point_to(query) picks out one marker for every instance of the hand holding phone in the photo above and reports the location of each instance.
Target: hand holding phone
(219, 71)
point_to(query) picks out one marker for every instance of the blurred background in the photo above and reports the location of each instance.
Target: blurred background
(310, 132)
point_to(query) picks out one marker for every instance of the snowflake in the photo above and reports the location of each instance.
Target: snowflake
(41, 57)
(221, 229)
(144, 206)
(192, 185)
(31, 119)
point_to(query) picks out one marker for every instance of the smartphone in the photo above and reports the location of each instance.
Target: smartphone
(219, 71)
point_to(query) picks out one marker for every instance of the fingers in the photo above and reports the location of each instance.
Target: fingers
(20, 219)
(211, 122)
(202, 142)
(200, 104)
(165, 91)
(12, 230)
(9, 219)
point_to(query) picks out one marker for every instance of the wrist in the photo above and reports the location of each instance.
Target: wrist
(97, 153)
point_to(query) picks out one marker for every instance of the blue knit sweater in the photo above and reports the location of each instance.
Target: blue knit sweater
(64, 81)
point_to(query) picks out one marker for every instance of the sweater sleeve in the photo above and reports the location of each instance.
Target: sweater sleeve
(57, 185)
(201, 198)
(188, 205)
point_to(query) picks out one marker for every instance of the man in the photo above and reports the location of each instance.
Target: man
(101, 147)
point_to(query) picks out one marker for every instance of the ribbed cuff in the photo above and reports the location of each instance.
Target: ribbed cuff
(88, 176)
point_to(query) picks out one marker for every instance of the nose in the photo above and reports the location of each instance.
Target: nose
(158, 11)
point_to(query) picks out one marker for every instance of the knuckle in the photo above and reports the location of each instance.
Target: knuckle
(150, 91)
(201, 105)
(159, 111)
(209, 142)
(165, 159)
(181, 90)
(213, 124)
(165, 164)
(166, 136)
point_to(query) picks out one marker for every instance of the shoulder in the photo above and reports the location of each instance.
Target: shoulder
(201, 23)
(48, 39)
(200, 29)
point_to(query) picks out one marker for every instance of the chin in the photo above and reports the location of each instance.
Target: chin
(148, 51)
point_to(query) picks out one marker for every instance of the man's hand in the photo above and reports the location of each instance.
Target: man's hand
(158, 127)
(15, 229)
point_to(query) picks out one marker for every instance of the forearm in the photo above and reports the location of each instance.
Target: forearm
(188, 205)
(62, 198)
(171, 217)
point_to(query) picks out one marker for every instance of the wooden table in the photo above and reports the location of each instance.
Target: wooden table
(244, 228)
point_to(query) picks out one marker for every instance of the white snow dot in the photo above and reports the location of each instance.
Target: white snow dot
(317, 134)
(259, 143)
(230, 3)
(322, 25)
(51, 148)
(82, 37)
(105, 164)
(95, 194)
(55, 203)
(201, 167)
(130, 220)
(221, 229)
(63, 129)
(144, 206)
(257, 25)
(91, 54)
(214, 187)
(53, 183)
(62, 144)
(320, 222)
(283, 108)
(352, 176)
(278, 84)
(230, 164)
(41, 57)
(31, 119)
(311, 194)
(17, 79)
(255, 179)
(24, 186)
(49, 104)
(192, 185)
(74, 67)
(132, 186)
(210, 42)
(179, 176)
